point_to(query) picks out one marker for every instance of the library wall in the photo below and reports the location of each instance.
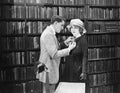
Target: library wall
(103, 39)
(22, 22)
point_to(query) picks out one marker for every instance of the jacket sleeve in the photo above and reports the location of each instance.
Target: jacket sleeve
(62, 45)
(52, 47)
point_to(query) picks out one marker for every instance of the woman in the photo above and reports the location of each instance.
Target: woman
(76, 63)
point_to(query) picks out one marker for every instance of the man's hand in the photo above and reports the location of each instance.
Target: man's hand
(72, 45)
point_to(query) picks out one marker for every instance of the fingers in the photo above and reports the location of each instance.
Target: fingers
(83, 76)
(73, 44)
(70, 39)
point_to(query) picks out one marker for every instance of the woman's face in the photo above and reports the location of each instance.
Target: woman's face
(75, 31)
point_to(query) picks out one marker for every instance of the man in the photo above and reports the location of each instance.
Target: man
(50, 54)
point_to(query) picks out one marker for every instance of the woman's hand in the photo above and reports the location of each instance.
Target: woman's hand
(83, 76)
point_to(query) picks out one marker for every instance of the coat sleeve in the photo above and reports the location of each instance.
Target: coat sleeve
(85, 56)
(52, 47)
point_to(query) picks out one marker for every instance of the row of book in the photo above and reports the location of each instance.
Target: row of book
(12, 27)
(17, 73)
(105, 39)
(103, 66)
(16, 11)
(104, 78)
(19, 58)
(106, 89)
(104, 26)
(12, 1)
(103, 13)
(22, 27)
(64, 2)
(14, 58)
(33, 42)
(32, 57)
(8, 11)
(103, 2)
(67, 2)
(97, 53)
(12, 88)
(27, 87)
(40, 12)
(68, 12)
(13, 43)
(38, 26)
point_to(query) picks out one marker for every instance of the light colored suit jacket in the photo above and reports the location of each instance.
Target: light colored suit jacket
(50, 55)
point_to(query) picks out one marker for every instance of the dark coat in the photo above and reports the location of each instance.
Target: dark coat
(76, 63)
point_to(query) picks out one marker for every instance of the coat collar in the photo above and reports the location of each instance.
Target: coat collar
(52, 29)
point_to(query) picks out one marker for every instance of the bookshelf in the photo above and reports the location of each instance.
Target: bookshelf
(18, 54)
(22, 22)
(103, 36)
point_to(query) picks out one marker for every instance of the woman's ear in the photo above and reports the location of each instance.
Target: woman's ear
(84, 31)
(68, 27)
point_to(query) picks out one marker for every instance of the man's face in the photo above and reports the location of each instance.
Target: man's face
(59, 26)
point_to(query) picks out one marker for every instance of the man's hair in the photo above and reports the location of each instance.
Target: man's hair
(57, 18)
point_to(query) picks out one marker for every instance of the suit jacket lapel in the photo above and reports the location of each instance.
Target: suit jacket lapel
(57, 43)
(55, 38)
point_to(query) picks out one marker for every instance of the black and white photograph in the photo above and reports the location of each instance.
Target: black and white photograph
(59, 46)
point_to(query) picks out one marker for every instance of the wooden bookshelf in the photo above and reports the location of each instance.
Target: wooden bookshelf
(104, 6)
(103, 67)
